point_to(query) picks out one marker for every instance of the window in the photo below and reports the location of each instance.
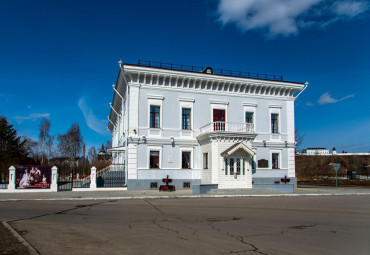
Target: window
(154, 117)
(238, 166)
(186, 159)
(154, 159)
(275, 160)
(274, 123)
(231, 166)
(205, 160)
(186, 118)
(249, 117)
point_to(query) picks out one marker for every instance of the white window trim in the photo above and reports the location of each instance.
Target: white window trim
(156, 102)
(251, 108)
(206, 161)
(154, 148)
(275, 110)
(279, 160)
(189, 105)
(187, 149)
(219, 105)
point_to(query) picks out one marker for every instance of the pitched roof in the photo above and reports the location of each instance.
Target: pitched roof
(232, 149)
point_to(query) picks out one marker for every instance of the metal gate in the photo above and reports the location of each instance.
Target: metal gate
(111, 176)
(65, 179)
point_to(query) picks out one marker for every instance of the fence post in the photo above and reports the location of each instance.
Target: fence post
(54, 179)
(93, 178)
(12, 178)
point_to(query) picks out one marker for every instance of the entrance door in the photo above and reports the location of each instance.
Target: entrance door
(218, 119)
(237, 173)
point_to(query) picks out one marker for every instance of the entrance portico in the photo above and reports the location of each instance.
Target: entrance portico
(237, 169)
(229, 152)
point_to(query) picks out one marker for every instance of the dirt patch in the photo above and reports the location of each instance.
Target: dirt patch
(10, 244)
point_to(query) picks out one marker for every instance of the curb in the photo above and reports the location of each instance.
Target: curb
(30, 248)
(180, 197)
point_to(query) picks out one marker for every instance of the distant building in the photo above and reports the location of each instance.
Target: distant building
(316, 151)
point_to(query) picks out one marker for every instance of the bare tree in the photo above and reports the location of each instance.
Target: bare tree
(50, 146)
(31, 147)
(70, 144)
(93, 155)
(44, 136)
(298, 139)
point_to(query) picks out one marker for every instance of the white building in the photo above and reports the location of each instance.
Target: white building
(317, 151)
(202, 126)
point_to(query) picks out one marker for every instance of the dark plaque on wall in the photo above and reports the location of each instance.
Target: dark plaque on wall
(263, 163)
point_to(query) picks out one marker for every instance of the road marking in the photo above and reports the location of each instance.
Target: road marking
(21, 239)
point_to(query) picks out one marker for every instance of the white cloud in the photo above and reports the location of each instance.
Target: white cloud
(91, 120)
(350, 8)
(286, 17)
(326, 98)
(32, 116)
(309, 104)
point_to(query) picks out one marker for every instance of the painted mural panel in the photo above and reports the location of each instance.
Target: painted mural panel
(33, 177)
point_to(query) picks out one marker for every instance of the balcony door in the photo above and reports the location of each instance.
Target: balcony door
(218, 119)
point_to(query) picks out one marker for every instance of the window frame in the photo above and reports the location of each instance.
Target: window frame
(251, 118)
(154, 148)
(187, 103)
(187, 121)
(275, 164)
(150, 159)
(154, 118)
(155, 100)
(183, 164)
(274, 124)
(205, 160)
(250, 108)
(187, 149)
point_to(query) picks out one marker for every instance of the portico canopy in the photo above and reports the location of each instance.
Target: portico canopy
(238, 147)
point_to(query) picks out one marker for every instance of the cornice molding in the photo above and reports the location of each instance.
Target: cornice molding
(155, 77)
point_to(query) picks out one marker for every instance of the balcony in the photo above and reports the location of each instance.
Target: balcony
(227, 127)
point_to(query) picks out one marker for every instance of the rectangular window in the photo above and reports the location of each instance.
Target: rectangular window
(154, 117)
(186, 118)
(205, 160)
(154, 159)
(244, 162)
(226, 166)
(274, 123)
(186, 159)
(249, 117)
(231, 166)
(275, 160)
(238, 166)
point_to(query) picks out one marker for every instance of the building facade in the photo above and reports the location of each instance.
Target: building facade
(202, 126)
(317, 151)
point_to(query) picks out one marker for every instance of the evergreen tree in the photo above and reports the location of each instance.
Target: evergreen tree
(11, 146)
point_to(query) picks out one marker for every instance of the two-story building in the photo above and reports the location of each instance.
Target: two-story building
(202, 126)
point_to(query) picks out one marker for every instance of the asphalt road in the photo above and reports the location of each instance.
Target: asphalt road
(249, 225)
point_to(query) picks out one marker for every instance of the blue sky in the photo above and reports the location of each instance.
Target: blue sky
(58, 59)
